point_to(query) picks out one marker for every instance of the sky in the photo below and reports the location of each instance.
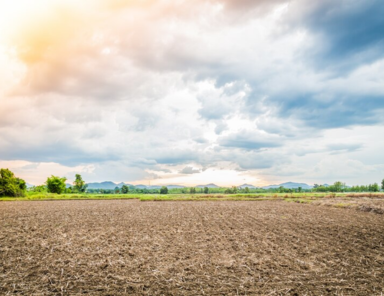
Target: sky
(193, 92)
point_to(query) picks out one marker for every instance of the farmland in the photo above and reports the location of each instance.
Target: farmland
(269, 247)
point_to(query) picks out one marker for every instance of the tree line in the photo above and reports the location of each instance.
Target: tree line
(12, 186)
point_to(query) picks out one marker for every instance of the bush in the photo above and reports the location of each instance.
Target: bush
(10, 185)
(164, 190)
(56, 184)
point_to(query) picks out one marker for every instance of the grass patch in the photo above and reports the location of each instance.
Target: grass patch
(300, 200)
(306, 197)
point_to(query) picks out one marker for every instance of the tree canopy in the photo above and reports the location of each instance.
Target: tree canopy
(79, 184)
(164, 190)
(124, 189)
(10, 185)
(56, 184)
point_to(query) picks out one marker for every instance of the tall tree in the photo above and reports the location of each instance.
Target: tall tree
(124, 189)
(206, 190)
(79, 184)
(375, 187)
(56, 184)
(10, 185)
(164, 190)
(382, 184)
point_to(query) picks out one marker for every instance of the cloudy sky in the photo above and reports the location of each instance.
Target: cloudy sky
(192, 92)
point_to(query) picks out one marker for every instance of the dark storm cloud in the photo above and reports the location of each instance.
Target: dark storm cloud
(349, 32)
(323, 111)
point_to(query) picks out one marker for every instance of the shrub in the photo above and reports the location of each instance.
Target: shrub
(56, 184)
(164, 190)
(10, 185)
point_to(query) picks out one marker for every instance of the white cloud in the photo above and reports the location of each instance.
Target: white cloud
(162, 87)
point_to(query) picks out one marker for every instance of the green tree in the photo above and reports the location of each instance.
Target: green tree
(125, 189)
(79, 184)
(246, 190)
(164, 190)
(56, 184)
(338, 186)
(10, 185)
(382, 184)
(206, 190)
(299, 189)
(40, 188)
(117, 190)
(375, 187)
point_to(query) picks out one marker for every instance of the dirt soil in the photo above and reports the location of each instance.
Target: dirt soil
(122, 247)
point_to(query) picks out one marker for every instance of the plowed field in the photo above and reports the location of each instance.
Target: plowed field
(189, 248)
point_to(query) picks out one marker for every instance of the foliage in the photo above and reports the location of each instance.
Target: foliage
(340, 187)
(56, 184)
(79, 184)
(192, 190)
(164, 190)
(10, 185)
(40, 188)
(206, 190)
(124, 189)
(232, 190)
(382, 184)
(69, 190)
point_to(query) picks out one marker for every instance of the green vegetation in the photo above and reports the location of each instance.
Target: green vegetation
(56, 184)
(341, 187)
(164, 190)
(79, 184)
(124, 189)
(293, 197)
(10, 185)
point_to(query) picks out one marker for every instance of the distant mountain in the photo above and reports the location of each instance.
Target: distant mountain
(175, 186)
(271, 187)
(122, 183)
(140, 186)
(29, 185)
(208, 185)
(154, 187)
(246, 185)
(289, 185)
(103, 185)
(111, 185)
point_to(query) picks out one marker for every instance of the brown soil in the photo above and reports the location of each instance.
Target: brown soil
(189, 248)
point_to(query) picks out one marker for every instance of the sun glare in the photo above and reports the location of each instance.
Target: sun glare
(14, 14)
